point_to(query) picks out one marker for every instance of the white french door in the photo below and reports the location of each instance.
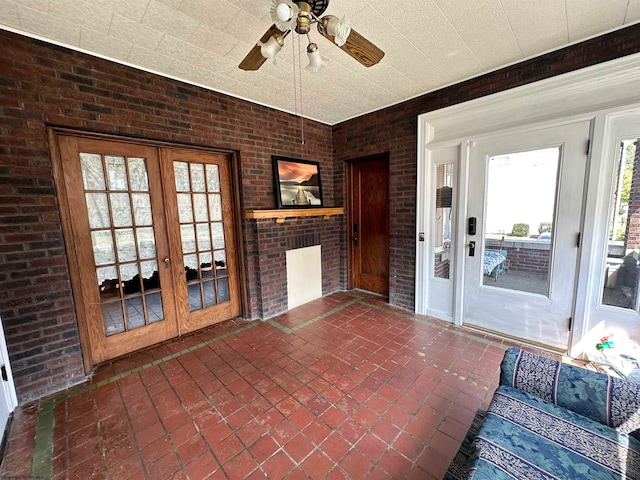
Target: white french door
(525, 198)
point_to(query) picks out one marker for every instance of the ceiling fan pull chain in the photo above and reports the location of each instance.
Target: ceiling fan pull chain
(300, 85)
(295, 83)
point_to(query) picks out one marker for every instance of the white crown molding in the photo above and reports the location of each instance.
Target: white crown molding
(603, 86)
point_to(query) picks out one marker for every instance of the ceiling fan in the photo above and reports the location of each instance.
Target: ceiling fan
(299, 16)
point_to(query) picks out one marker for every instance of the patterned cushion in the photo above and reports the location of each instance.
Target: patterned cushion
(604, 399)
(525, 437)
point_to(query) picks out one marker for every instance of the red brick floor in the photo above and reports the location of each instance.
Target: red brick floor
(344, 387)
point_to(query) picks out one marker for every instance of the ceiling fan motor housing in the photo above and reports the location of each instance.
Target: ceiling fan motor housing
(303, 24)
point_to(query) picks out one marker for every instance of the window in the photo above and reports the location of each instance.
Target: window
(623, 238)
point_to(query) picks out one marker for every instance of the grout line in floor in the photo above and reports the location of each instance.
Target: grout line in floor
(43, 449)
(41, 466)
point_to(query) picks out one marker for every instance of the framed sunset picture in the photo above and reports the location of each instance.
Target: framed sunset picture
(297, 183)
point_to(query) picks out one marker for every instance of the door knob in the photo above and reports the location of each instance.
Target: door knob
(167, 262)
(472, 249)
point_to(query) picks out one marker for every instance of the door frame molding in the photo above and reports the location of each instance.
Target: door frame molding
(53, 132)
(8, 389)
(584, 94)
(349, 164)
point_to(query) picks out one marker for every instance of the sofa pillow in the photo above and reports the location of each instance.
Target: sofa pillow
(524, 437)
(611, 401)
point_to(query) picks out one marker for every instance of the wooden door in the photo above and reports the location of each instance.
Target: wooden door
(151, 241)
(198, 198)
(120, 245)
(369, 232)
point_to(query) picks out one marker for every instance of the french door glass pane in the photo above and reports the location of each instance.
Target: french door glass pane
(197, 177)
(213, 178)
(142, 208)
(520, 208)
(103, 252)
(209, 294)
(125, 255)
(215, 206)
(185, 213)
(623, 245)
(154, 307)
(202, 233)
(146, 242)
(200, 207)
(223, 289)
(181, 172)
(126, 246)
(117, 173)
(92, 172)
(138, 174)
(204, 237)
(121, 209)
(98, 208)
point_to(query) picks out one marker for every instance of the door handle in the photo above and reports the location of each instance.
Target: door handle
(355, 240)
(167, 262)
(472, 249)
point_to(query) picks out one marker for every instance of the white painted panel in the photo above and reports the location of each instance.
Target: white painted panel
(304, 275)
(538, 26)
(586, 17)
(104, 44)
(484, 27)
(9, 14)
(633, 12)
(127, 30)
(163, 18)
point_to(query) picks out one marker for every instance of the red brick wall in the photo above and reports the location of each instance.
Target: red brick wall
(41, 85)
(394, 130)
(272, 244)
(528, 260)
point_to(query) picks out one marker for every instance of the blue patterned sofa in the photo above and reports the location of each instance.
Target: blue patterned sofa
(550, 420)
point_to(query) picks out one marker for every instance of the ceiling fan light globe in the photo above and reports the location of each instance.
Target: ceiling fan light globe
(270, 48)
(284, 14)
(340, 29)
(316, 61)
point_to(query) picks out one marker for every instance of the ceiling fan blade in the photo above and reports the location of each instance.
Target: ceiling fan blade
(254, 60)
(358, 47)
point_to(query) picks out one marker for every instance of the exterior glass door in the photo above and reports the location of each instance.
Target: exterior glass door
(520, 263)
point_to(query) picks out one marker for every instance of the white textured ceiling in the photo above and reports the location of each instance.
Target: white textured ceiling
(428, 43)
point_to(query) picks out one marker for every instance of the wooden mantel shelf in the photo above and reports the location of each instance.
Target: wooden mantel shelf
(281, 215)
